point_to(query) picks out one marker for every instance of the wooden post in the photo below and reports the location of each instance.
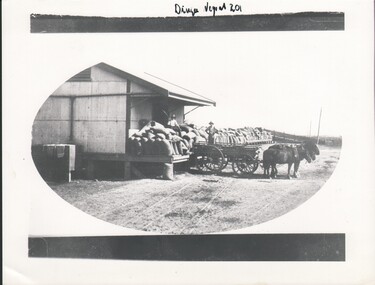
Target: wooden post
(127, 170)
(320, 116)
(127, 164)
(128, 113)
(71, 134)
(90, 169)
(67, 176)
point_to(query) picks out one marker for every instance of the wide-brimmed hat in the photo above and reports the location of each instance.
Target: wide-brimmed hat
(211, 123)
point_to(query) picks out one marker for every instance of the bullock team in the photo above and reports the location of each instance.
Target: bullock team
(288, 154)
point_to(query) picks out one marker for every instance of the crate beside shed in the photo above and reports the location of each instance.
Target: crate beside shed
(100, 107)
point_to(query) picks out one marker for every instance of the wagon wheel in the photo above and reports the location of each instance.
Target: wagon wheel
(214, 159)
(200, 164)
(226, 160)
(245, 165)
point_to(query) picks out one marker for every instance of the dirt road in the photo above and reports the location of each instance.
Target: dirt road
(195, 203)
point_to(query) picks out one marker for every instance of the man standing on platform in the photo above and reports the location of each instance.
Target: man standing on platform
(172, 123)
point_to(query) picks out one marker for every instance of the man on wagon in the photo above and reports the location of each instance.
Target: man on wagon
(211, 131)
(172, 123)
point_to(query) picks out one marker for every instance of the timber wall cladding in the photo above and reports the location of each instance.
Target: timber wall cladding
(102, 83)
(141, 109)
(99, 123)
(90, 88)
(99, 74)
(52, 123)
(98, 112)
(136, 88)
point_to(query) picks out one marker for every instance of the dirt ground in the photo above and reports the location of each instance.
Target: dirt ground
(197, 203)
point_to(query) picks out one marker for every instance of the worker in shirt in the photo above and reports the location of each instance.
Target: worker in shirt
(172, 123)
(211, 131)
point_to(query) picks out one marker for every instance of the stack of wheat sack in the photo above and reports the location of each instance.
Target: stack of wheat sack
(155, 139)
(241, 136)
(262, 134)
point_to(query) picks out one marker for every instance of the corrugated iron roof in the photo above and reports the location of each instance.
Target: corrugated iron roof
(161, 86)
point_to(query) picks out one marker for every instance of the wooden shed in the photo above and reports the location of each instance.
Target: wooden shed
(100, 107)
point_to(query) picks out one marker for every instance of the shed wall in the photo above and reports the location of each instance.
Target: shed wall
(141, 109)
(99, 118)
(101, 75)
(46, 132)
(136, 88)
(100, 136)
(99, 123)
(52, 123)
(54, 109)
(90, 88)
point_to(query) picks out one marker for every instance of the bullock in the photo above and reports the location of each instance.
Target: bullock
(283, 154)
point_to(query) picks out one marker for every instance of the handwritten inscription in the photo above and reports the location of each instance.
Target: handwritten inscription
(211, 9)
(181, 9)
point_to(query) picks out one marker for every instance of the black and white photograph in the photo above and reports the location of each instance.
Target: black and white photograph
(147, 141)
(105, 125)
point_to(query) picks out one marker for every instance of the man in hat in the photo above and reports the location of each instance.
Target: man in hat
(172, 123)
(211, 131)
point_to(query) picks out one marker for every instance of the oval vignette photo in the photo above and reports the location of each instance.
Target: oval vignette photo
(139, 151)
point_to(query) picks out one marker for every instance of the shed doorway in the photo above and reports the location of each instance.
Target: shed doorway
(160, 112)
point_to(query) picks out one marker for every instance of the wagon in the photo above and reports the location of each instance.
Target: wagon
(245, 159)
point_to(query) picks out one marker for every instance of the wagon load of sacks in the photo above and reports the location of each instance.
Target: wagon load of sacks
(155, 139)
(241, 136)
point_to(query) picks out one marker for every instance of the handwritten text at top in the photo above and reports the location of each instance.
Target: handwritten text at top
(207, 8)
